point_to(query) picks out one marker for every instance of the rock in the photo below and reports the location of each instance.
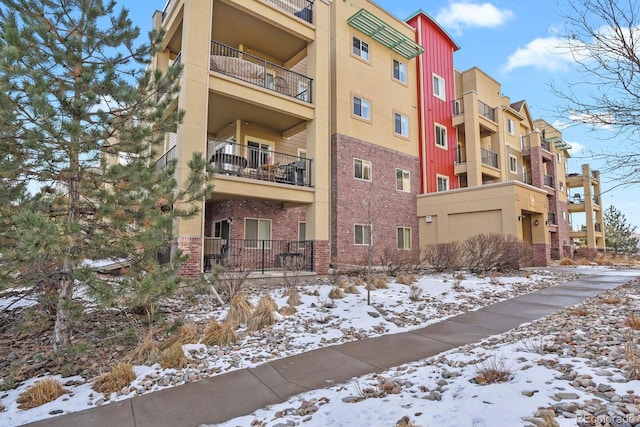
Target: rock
(529, 393)
(603, 388)
(566, 395)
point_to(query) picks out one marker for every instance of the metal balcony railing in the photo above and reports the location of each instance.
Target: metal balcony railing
(546, 145)
(259, 163)
(303, 9)
(597, 227)
(167, 7)
(596, 200)
(166, 158)
(526, 177)
(258, 255)
(251, 69)
(458, 106)
(487, 111)
(548, 181)
(551, 218)
(461, 154)
(489, 158)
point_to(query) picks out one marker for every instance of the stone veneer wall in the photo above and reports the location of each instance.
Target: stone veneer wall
(355, 201)
(541, 255)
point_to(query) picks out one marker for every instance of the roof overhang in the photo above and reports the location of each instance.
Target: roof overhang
(385, 34)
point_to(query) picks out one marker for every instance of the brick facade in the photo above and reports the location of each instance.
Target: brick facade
(541, 255)
(192, 247)
(375, 202)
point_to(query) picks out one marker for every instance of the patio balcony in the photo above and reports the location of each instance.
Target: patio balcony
(303, 9)
(489, 158)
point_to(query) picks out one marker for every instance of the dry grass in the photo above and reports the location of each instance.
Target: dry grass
(403, 279)
(44, 391)
(404, 422)
(263, 316)
(1, 407)
(360, 281)
(579, 311)
(611, 300)
(632, 357)
(351, 289)
(567, 261)
(187, 334)
(288, 310)
(294, 298)
(145, 353)
(336, 293)
(120, 376)
(415, 293)
(173, 357)
(494, 277)
(221, 334)
(548, 419)
(633, 322)
(239, 310)
(493, 370)
(379, 282)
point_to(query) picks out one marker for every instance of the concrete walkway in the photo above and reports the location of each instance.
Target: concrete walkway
(241, 392)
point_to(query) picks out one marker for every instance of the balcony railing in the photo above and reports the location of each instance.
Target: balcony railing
(251, 69)
(526, 177)
(487, 111)
(258, 255)
(303, 9)
(259, 163)
(458, 106)
(596, 200)
(548, 181)
(551, 218)
(597, 227)
(166, 158)
(546, 145)
(461, 154)
(167, 7)
(489, 158)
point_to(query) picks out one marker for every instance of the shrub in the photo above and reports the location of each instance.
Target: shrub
(219, 334)
(403, 280)
(493, 370)
(173, 357)
(336, 293)
(632, 357)
(145, 353)
(232, 279)
(442, 256)
(239, 310)
(288, 310)
(415, 292)
(120, 376)
(44, 391)
(633, 321)
(567, 261)
(394, 261)
(379, 282)
(187, 334)
(494, 251)
(579, 311)
(294, 298)
(263, 316)
(351, 289)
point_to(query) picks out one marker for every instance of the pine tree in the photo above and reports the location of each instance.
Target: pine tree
(619, 233)
(83, 118)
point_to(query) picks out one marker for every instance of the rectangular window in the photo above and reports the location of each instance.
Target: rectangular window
(443, 183)
(513, 164)
(511, 127)
(438, 87)
(362, 235)
(559, 155)
(361, 108)
(404, 238)
(221, 229)
(302, 234)
(259, 154)
(360, 48)
(257, 232)
(362, 169)
(399, 71)
(561, 186)
(403, 181)
(441, 136)
(401, 124)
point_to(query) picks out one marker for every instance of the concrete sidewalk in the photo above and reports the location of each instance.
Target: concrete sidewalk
(241, 392)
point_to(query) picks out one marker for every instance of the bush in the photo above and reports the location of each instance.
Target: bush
(219, 334)
(394, 260)
(494, 251)
(173, 357)
(442, 256)
(187, 334)
(42, 392)
(239, 310)
(493, 370)
(120, 376)
(263, 315)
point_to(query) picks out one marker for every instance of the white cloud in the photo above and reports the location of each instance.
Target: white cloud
(549, 53)
(466, 14)
(576, 148)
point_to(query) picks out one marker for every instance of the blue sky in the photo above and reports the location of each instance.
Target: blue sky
(512, 41)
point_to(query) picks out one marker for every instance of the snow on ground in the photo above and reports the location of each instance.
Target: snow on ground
(321, 322)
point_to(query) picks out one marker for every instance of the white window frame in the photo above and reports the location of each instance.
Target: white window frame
(443, 130)
(439, 87)
(361, 50)
(249, 241)
(511, 127)
(365, 165)
(403, 180)
(444, 179)
(365, 108)
(399, 71)
(359, 234)
(302, 234)
(513, 164)
(404, 234)
(403, 121)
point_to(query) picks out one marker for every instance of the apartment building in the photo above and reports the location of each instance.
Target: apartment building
(507, 170)
(585, 212)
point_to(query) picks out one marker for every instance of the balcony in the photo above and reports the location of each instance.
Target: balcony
(259, 164)
(167, 8)
(252, 69)
(258, 255)
(596, 200)
(487, 111)
(546, 145)
(551, 218)
(526, 177)
(166, 158)
(597, 227)
(303, 9)
(461, 155)
(489, 158)
(458, 106)
(548, 181)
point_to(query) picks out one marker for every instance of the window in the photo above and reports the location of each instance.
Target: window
(443, 183)
(401, 124)
(399, 71)
(259, 154)
(513, 164)
(361, 108)
(256, 231)
(404, 238)
(564, 215)
(403, 181)
(362, 169)
(360, 49)
(522, 142)
(438, 87)
(561, 184)
(559, 155)
(221, 229)
(362, 234)
(441, 136)
(511, 127)
(302, 234)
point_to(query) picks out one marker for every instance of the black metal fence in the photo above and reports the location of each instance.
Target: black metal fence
(489, 158)
(303, 9)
